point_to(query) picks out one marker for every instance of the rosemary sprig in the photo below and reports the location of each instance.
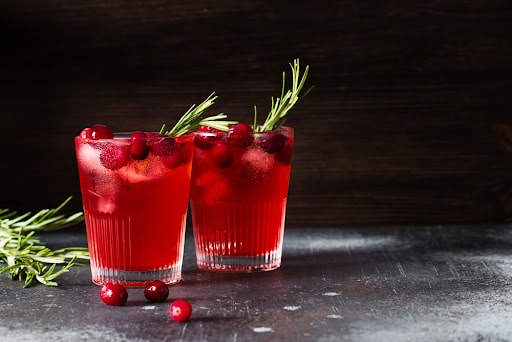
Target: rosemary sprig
(282, 105)
(26, 258)
(193, 119)
(44, 220)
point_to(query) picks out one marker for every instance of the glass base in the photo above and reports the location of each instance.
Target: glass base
(101, 276)
(240, 264)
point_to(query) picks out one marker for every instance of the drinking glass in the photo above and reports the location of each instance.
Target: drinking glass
(238, 197)
(135, 201)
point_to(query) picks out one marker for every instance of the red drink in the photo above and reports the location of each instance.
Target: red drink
(135, 199)
(238, 198)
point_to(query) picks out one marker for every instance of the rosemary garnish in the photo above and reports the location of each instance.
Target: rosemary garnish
(26, 258)
(282, 105)
(193, 119)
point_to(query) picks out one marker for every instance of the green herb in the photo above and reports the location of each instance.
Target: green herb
(282, 105)
(193, 119)
(26, 258)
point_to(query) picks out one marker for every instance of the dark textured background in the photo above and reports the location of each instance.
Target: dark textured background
(408, 123)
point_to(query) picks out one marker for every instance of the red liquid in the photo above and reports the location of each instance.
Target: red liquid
(136, 215)
(238, 211)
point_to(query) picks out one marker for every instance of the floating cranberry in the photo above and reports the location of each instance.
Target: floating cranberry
(113, 294)
(99, 131)
(86, 133)
(151, 135)
(221, 156)
(240, 135)
(138, 148)
(207, 129)
(285, 155)
(205, 141)
(272, 142)
(114, 157)
(180, 310)
(138, 136)
(156, 291)
(162, 146)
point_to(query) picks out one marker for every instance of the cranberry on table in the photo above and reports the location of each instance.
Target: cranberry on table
(180, 310)
(113, 294)
(156, 291)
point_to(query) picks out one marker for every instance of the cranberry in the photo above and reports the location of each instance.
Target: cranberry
(156, 291)
(113, 294)
(285, 155)
(205, 141)
(180, 310)
(221, 156)
(163, 146)
(86, 133)
(272, 142)
(99, 131)
(114, 157)
(138, 148)
(240, 135)
(181, 154)
(207, 129)
(151, 135)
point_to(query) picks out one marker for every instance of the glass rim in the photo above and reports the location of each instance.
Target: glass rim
(125, 135)
(287, 130)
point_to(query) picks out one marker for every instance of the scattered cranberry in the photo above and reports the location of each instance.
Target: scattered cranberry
(99, 131)
(180, 310)
(113, 294)
(240, 135)
(272, 142)
(138, 148)
(162, 147)
(156, 291)
(221, 156)
(114, 157)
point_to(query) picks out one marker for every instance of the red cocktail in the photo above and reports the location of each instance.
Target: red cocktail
(238, 197)
(135, 191)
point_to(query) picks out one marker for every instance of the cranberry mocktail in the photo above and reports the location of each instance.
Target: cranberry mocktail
(135, 191)
(238, 197)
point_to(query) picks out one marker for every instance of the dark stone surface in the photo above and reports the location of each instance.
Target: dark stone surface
(428, 283)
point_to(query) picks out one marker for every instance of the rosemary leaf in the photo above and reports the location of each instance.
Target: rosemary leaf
(23, 254)
(193, 119)
(280, 106)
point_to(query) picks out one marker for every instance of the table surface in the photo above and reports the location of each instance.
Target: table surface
(427, 283)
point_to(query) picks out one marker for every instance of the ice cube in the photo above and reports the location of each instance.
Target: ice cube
(216, 192)
(257, 161)
(89, 157)
(106, 205)
(212, 185)
(142, 170)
